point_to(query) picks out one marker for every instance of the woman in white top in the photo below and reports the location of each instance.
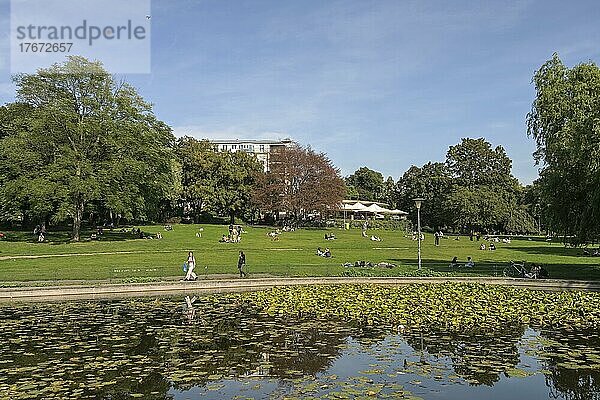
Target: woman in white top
(191, 262)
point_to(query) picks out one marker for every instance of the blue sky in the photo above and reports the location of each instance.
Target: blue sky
(385, 84)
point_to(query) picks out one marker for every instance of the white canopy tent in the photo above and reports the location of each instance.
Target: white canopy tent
(374, 208)
(398, 212)
(355, 207)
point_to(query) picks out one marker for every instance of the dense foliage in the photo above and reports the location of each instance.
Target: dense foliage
(473, 190)
(565, 122)
(300, 182)
(221, 182)
(77, 141)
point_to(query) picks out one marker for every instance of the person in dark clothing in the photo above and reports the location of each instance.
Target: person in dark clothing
(241, 264)
(454, 263)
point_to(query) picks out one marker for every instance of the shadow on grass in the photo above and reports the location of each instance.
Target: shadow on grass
(480, 268)
(62, 237)
(555, 271)
(551, 251)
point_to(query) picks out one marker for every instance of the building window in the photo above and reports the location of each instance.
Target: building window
(262, 148)
(224, 147)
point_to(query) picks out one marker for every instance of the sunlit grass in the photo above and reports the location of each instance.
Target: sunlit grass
(121, 256)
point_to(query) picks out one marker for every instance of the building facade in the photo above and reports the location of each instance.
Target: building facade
(262, 149)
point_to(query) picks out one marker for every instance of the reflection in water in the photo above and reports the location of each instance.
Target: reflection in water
(573, 362)
(189, 310)
(479, 359)
(160, 349)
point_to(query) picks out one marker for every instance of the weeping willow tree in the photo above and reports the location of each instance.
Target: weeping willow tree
(565, 123)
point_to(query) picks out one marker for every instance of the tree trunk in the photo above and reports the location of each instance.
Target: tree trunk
(232, 217)
(77, 221)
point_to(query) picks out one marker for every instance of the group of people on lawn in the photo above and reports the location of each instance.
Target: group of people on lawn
(235, 235)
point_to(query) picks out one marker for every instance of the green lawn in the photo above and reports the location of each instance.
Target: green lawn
(119, 256)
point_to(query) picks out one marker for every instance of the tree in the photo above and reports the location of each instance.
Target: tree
(300, 181)
(234, 180)
(564, 121)
(219, 181)
(368, 183)
(432, 182)
(88, 140)
(484, 194)
(389, 192)
(474, 163)
(198, 161)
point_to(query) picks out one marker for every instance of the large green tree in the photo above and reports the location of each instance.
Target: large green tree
(235, 181)
(198, 165)
(222, 182)
(368, 184)
(87, 140)
(485, 193)
(565, 123)
(432, 182)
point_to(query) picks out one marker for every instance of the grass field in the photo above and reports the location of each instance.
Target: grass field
(121, 257)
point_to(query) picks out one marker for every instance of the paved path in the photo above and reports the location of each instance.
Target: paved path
(107, 290)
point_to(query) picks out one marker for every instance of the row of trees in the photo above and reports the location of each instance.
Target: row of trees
(472, 190)
(76, 144)
(300, 181)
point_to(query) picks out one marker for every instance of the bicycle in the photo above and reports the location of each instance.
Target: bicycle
(515, 270)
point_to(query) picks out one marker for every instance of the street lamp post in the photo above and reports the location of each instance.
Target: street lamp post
(418, 201)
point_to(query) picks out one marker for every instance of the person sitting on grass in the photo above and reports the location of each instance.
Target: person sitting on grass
(364, 234)
(492, 246)
(375, 238)
(454, 263)
(159, 235)
(327, 253)
(470, 263)
(482, 246)
(384, 264)
(320, 252)
(224, 239)
(591, 253)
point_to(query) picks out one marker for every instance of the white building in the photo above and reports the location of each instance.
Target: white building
(262, 149)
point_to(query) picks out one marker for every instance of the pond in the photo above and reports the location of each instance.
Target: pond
(222, 346)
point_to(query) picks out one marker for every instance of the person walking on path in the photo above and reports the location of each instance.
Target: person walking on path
(241, 264)
(191, 264)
